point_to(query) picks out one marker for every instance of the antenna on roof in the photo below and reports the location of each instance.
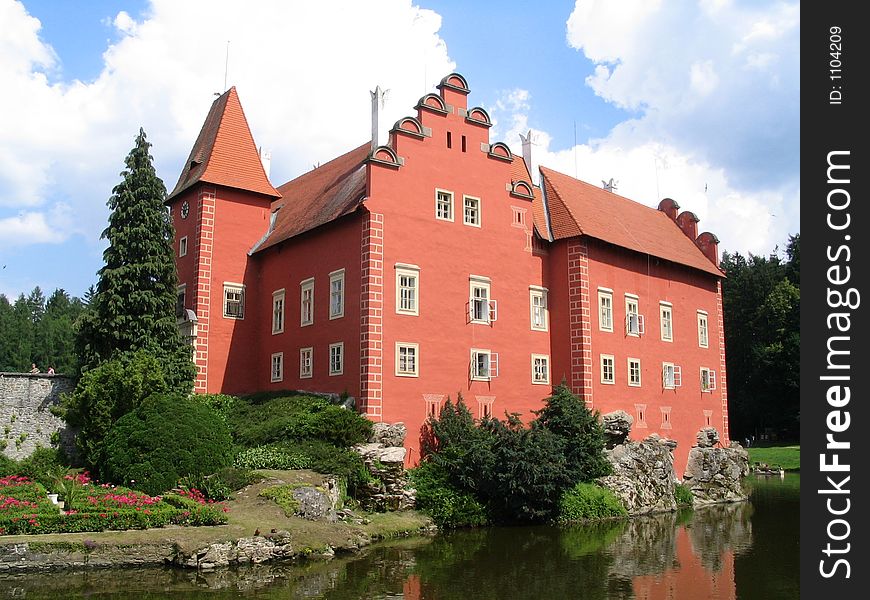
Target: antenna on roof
(609, 186)
(226, 65)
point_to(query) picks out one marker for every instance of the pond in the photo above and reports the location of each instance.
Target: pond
(738, 551)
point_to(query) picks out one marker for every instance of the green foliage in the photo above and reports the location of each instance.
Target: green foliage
(235, 479)
(105, 394)
(221, 404)
(165, 438)
(518, 474)
(329, 460)
(271, 457)
(449, 507)
(587, 501)
(294, 418)
(41, 466)
(787, 457)
(282, 495)
(134, 304)
(761, 303)
(683, 495)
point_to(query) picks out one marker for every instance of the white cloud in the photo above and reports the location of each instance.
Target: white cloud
(28, 228)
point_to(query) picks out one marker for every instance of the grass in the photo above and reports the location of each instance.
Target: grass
(787, 457)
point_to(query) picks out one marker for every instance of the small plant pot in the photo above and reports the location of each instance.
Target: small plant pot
(53, 498)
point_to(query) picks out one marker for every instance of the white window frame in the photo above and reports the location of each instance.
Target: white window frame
(703, 329)
(631, 363)
(182, 246)
(277, 370)
(234, 288)
(336, 308)
(336, 350)
(471, 203)
(666, 317)
(415, 349)
(603, 360)
(278, 297)
(438, 202)
(633, 327)
(491, 363)
(411, 272)
(482, 310)
(540, 377)
(538, 293)
(605, 309)
(306, 359)
(672, 376)
(306, 286)
(708, 379)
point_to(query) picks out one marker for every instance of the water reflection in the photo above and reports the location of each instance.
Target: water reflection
(745, 550)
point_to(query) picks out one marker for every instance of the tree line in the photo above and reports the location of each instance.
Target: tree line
(36, 329)
(761, 303)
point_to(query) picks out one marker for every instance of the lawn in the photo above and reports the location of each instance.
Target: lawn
(787, 457)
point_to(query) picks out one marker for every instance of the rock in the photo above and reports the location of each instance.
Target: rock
(643, 475)
(388, 435)
(617, 426)
(314, 504)
(390, 488)
(708, 437)
(715, 474)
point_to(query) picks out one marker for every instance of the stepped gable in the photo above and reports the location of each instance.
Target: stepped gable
(520, 172)
(320, 196)
(579, 208)
(224, 153)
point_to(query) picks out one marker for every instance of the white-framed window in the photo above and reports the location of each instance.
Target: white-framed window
(640, 413)
(540, 368)
(605, 309)
(538, 308)
(407, 289)
(608, 374)
(484, 364)
(481, 308)
(234, 301)
(633, 318)
(443, 205)
(336, 294)
(672, 376)
(708, 379)
(277, 367)
(703, 339)
(666, 417)
(182, 246)
(634, 372)
(306, 363)
(278, 311)
(407, 359)
(471, 211)
(336, 358)
(306, 302)
(666, 317)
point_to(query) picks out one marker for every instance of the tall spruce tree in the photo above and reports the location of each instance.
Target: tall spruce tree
(134, 305)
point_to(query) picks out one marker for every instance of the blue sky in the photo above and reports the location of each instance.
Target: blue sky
(696, 100)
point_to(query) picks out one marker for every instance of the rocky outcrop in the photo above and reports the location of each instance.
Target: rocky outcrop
(384, 457)
(388, 435)
(248, 550)
(716, 474)
(317, 503)
(617, 426)
(643, 475)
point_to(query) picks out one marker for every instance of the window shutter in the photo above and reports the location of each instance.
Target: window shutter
(493, 311)
(493, 364)
(640, 324)
(711, 380)
(678, 376)
(469, 309)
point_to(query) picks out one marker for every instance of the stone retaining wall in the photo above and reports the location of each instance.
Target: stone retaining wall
(26, 420)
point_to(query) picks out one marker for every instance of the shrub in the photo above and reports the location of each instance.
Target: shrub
(683, 495)
(42, 465)
(163, 439)
(271, 457)
(222, 404)
(345, 464)
(586, 501)
(449, 507)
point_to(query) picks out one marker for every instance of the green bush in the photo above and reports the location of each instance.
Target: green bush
(437, 497)
(271, 457)
(329, 460)
(587, 501)
(683, 495)
(165, 438)
(42, 465)
(235, 479)
(222, 404)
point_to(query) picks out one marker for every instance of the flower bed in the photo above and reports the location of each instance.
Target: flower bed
(25, 508)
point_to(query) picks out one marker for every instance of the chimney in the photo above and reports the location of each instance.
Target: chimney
(266, 159)
(527, 155)
(688, 222)
(670, 208)
(377, 105)
(709, 245)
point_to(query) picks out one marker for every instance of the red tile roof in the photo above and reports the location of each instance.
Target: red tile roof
(319, 196)
(579, 208)
(225, 153)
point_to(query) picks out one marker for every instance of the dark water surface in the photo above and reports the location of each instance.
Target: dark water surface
(732, 552)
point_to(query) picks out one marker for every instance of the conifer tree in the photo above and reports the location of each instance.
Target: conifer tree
(134, 305)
